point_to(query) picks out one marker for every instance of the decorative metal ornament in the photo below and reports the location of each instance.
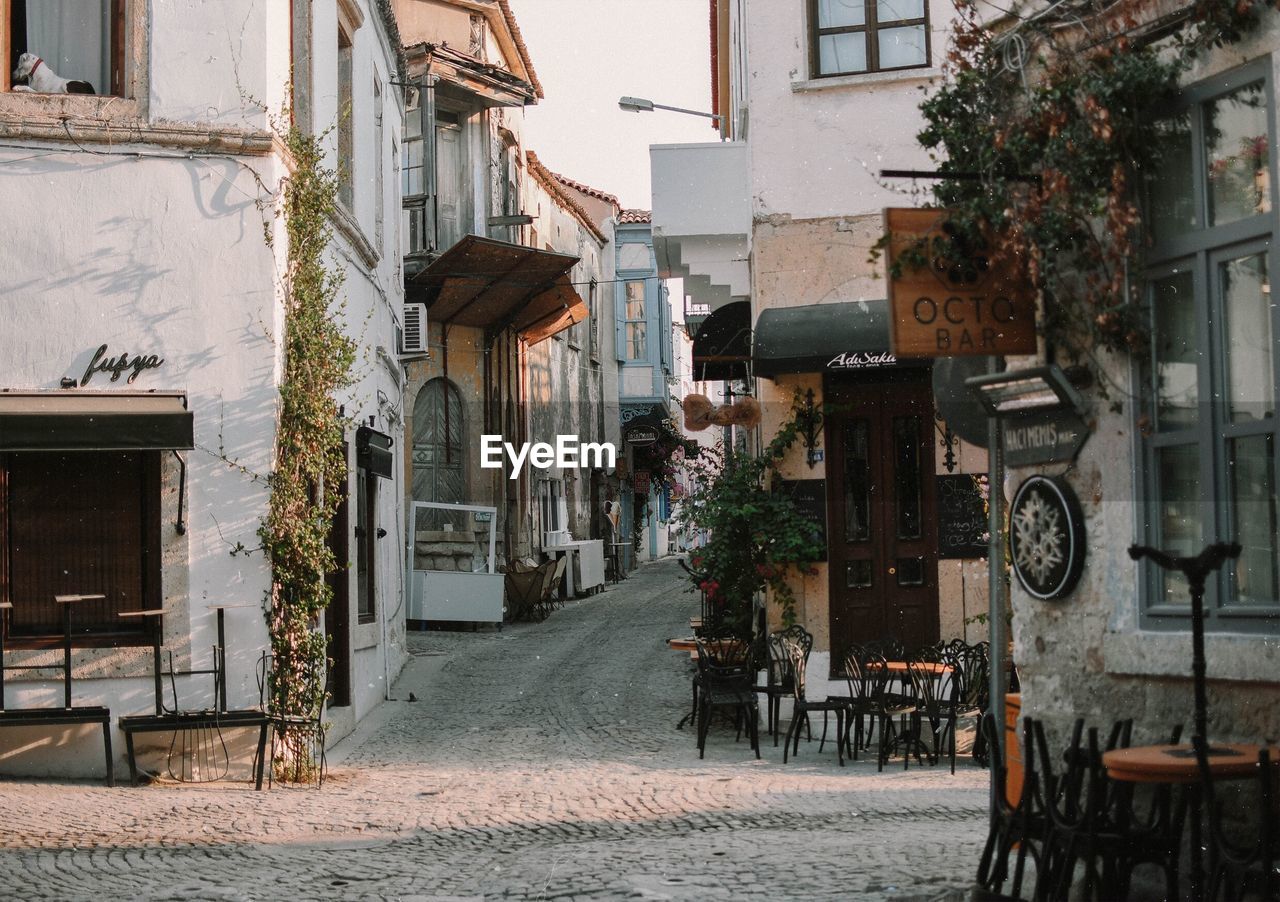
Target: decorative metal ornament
(1046, 537)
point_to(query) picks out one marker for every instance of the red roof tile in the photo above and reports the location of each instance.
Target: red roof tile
(630, 216)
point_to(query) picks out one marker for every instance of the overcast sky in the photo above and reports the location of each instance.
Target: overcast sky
(587, 54)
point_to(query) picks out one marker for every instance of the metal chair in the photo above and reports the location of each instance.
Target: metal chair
(778, 682)
(795, 649)
(300, 732)
(1017, 826)
(726, 674)
(1244, 863)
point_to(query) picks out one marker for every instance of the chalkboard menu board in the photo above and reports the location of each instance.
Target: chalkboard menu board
(810, 497)
(962, 518)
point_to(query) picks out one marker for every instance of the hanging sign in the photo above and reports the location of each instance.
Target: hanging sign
(640, 482)
(642, 435)
(1046, 537)
(947, 301)
(1043, 437)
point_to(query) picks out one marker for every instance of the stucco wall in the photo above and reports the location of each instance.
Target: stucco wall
(155, 252)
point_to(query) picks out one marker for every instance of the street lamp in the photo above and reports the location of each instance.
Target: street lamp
(640, 105)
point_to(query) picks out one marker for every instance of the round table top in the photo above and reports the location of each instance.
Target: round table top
(1177, 763)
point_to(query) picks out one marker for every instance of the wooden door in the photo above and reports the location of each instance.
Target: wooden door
(882, 530)
(337, 617)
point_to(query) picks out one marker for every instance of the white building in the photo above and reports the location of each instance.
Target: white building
(149, 207)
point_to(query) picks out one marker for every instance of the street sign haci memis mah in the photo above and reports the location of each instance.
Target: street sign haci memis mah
(956, 303)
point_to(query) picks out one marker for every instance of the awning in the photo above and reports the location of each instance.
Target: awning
(95, 421)
(722, 347)
(824, 338)
(494, 285)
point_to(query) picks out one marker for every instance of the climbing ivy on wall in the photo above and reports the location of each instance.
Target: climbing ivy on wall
(308, 479)
(1067, 95)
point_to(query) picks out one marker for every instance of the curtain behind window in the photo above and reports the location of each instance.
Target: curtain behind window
(74, 38)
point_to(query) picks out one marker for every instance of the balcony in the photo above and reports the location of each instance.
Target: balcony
(702, 219)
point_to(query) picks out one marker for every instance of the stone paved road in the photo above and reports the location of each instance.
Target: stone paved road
(540, 762)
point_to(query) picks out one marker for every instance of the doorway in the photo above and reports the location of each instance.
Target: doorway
(883, 541)
(337, 617)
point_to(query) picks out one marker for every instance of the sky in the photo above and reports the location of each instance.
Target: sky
(587, 54)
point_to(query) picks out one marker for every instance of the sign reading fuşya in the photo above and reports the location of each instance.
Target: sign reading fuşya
(134, 366)
(947, 300)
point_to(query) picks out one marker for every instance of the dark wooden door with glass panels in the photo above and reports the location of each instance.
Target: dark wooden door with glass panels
(882, 533)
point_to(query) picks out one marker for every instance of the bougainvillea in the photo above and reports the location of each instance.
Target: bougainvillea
(757, 537)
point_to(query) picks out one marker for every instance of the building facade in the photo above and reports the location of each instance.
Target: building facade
(772, 229)
(143, 359)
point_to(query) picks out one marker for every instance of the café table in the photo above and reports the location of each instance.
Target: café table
(1177, 765)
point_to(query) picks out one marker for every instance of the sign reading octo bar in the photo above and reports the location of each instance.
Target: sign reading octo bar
(567, 453)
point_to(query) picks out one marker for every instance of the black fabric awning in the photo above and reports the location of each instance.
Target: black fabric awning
(722, 347)
(95, 421)
(495, 285)
(823, 338)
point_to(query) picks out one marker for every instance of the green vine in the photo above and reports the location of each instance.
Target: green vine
(1055, 116)
(758, 537)
(308, 480)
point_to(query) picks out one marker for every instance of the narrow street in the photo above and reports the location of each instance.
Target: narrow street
(539, 762)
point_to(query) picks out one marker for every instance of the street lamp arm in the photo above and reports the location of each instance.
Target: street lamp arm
(641, 105)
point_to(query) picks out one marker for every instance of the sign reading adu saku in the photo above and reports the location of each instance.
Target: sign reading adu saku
(947, 300)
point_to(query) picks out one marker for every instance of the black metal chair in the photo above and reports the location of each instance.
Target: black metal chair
(726, 678)
(937, 700)
(796, 651)
(1017, 827)
(778, 681)
(1243, 863)
(869, 678)
(301, 734)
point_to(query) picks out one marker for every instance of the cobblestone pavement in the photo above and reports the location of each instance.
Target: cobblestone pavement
(539, 762)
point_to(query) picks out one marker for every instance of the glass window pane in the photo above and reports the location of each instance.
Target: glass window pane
(841, 13)
(1246, 299)
(857, 482)
(1171, 199)
(857, 575)
(1236, 152)
(910, 571)
(1251, 462)
(637, 348)
(902, 47)
(635, 300)
(1180, 512)
(906, 476)
(842, 53)
(1176, 355)
(894, 10)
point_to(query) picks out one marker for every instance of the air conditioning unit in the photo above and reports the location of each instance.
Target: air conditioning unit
(413, 340)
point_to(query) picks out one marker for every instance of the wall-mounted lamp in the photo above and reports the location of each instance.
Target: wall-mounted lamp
(1024, 391)
(809, 420)
(641, 105)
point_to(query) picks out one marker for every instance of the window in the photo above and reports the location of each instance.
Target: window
(853, 36)
(379, 163)
(438, 435)
(553, 510)
(80, 40)
(79, 523)
(593, 322)
(634, 324)
(346, 125)
(366, 543)
(1208, 462)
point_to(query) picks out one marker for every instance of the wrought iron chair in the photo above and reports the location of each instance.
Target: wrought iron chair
(1017, 826)
(778, 682)
(937, 701)
(796, 651)
(301, 735)
(726, 678)
(869, 678)
(1244, 863)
